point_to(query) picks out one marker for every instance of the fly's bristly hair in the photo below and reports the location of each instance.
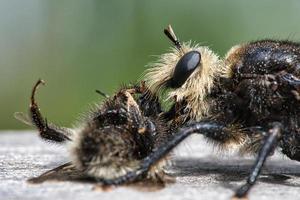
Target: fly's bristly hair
(195, 89)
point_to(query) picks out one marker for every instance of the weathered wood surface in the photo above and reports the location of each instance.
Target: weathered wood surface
(200, 174)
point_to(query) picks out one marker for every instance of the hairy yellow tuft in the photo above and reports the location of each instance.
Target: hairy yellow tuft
(196, 88)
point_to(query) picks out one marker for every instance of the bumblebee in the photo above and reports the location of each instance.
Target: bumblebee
(110, 141)
(247, 100)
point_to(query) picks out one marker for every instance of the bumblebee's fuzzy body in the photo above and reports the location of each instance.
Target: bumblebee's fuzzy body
(112, 139)
(116, 136)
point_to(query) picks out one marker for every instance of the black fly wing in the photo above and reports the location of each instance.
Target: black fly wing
(65, 172)
(68, 172)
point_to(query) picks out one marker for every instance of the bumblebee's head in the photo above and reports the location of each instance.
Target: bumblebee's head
(188, 71)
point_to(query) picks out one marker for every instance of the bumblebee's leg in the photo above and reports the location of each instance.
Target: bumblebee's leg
(47, 131)
(209, 129)
(267, 147)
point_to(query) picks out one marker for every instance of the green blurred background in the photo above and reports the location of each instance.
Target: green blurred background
(81, 45)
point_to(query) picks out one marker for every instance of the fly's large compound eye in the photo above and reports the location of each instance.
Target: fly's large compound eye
(184, 68)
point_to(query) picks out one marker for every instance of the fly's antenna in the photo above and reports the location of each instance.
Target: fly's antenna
(171, 35)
